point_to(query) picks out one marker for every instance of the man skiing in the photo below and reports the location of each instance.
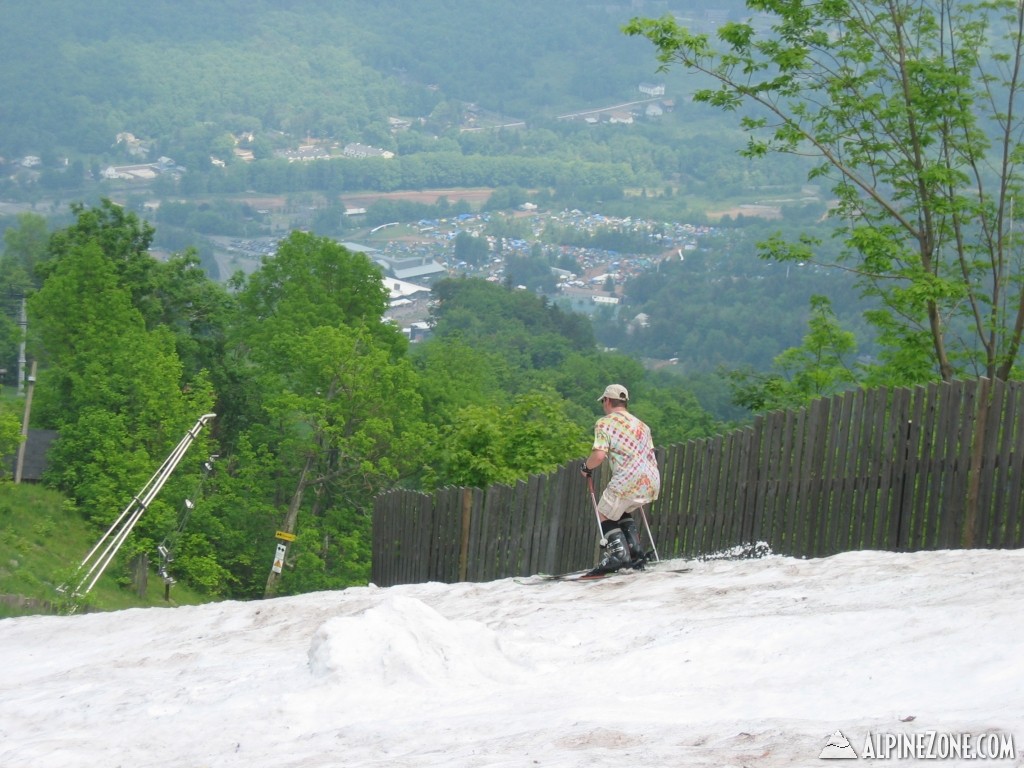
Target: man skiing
(626, 441)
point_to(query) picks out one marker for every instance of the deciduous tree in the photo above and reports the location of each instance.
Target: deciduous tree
(336, 413)
(111, 385)
(911, 110)
(819, 367)
(502, 443)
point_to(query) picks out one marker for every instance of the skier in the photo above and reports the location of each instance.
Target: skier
(626, 441)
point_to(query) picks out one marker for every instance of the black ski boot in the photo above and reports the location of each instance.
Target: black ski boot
(636, 552)
(616, 554)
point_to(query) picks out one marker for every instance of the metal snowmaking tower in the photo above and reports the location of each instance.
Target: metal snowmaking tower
(101, 555)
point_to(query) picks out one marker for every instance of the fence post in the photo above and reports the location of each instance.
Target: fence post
(467, 518)
(902, 510)
(981, 417)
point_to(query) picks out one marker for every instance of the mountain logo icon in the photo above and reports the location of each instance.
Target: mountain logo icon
(838, 748)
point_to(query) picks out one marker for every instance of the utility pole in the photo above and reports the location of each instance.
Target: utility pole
(23, 324)
(287, 532)
(20, 464)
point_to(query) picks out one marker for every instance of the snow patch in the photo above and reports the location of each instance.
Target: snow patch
(748, 661)
(750, 551)
(403, 641)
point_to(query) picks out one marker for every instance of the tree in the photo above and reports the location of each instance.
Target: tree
(335, 410)
(670, 408)
(235, 518)
(470, 249)
(502, 443)
(10, 431)
(818, 368)
(312, 281)
(194, 308)
(24, 247)
(111, 385)
(124, 242)
(347, 423)
(910, 110)
(453, 374)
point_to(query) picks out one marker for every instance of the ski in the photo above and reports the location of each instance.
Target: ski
(586, 575)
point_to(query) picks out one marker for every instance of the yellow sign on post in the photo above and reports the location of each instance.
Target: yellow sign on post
(285, 536)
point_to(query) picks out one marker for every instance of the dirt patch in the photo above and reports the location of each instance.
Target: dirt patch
(760, 211)
(472, 195)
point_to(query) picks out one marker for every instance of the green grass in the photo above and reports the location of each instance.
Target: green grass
(42, 541)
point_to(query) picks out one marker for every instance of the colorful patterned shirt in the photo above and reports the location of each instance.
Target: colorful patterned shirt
(629, 446)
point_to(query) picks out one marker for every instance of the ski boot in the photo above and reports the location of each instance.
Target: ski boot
(637, 555)
(616, 554)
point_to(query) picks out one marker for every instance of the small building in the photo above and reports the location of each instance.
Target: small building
(410, 268)
(360, 248)
(417, 331)
(34, 463)
(401, 292)
(360, 151)
(141, 172)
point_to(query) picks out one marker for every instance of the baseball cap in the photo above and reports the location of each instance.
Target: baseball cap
(615, 392)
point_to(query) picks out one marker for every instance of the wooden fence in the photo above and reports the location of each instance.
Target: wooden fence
(934, 467)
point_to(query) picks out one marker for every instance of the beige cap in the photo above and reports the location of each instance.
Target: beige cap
(614, 392)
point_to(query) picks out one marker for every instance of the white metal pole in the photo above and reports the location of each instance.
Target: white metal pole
(131, 514)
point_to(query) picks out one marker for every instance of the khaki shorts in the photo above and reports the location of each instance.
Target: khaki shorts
(613, 506)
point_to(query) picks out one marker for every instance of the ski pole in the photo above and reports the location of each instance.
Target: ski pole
(597, 515)
(647, 526)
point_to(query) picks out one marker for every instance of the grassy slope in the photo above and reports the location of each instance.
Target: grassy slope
(41, 543)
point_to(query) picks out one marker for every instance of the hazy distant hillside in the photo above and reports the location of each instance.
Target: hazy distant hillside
(229, 90)
(73, 75)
